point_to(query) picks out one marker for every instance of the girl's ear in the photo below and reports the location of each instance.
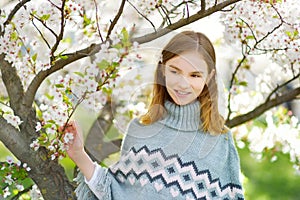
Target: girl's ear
(210, 75)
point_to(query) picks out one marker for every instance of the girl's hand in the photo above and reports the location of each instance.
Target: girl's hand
(73, 137)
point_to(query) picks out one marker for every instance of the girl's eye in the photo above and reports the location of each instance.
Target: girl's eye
(173, 71)
(196, 75)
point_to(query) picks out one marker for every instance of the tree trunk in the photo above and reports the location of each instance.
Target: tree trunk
(48, 175)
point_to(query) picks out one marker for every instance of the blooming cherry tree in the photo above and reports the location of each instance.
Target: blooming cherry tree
(59, 55)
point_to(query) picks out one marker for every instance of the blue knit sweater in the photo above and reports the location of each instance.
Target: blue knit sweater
(170, 159)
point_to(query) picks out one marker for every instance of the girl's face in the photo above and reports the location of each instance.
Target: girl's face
(185, 77)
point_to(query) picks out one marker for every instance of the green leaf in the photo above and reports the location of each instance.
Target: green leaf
(34, 57)
(49, 96)
(86, 21)
(250, 37)
(64, 57)
(125, 40)
(79, 74)
(60, 85)
(103, 64)
(13, 36)
(243, 83)
(45, 17)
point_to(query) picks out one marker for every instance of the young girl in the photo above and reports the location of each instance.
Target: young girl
(180, 149)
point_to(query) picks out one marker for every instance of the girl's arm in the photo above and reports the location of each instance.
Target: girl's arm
(77, 153)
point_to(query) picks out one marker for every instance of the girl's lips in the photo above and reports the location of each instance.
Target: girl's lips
(181, 93)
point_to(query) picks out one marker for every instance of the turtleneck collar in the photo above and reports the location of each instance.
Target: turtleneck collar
(184, 118)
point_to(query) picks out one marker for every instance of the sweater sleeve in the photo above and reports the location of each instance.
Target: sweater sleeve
(98, 187)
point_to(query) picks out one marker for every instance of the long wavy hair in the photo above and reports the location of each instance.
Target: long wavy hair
(211, 120)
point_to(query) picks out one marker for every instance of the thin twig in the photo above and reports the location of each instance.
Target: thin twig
(142, 15)
(14, 11)
(53, 4)
(41, 34)
(166, 12)
(72, 112)
(97, 22)
(116, 19)
(45, 25)
(231, 85)
(203, 5)
(62, 28)
(187, 9)
(281, 86)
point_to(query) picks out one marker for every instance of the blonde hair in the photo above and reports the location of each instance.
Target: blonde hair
(211, 120)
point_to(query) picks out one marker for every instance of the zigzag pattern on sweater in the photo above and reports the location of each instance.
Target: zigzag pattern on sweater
(143, 166)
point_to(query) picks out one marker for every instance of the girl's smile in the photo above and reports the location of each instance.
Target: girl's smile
(185, 77)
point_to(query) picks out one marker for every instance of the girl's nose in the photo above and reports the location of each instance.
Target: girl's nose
(183, 82)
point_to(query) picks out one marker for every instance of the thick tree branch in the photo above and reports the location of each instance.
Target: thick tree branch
(12, 83)
(12, 137)
(49, 175)
(183, 22)
(263, 107)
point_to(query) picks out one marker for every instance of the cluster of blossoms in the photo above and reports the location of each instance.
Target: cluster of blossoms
(265, 81)
(265, 29)
(278, 131)
(57, 107)
(270, 28)
(19, 47)
(170, 9)
(14, 175)
(148, 7)
(89, 85)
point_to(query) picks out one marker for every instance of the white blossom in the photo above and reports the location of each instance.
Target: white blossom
(20, 187)
(35, 145)
(6, 192)
(9, 160)
(68, 138)
(13, 120)
(8, 179)
(38, 126)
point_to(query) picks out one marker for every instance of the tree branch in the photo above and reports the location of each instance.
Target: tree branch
(288, 96)
(231, 84)
(59, 64)
(97, 21)
(62, 28)
(92, 49)
(146, 18)
(282, 85)
(46, 173)
(183, 22)
(12, 83)
(116, 19)
(203, 4)
(13, 12)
